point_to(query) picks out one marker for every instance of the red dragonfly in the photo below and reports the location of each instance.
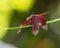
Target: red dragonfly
(35, 19)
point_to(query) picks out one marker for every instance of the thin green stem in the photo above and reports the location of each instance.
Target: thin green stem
(48, 22)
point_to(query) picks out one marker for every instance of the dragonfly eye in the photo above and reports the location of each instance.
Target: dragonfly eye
(35, 26)
(43, 22)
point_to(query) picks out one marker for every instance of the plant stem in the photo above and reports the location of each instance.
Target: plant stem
(48, 22)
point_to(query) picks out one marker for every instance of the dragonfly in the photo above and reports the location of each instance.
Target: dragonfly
(35, 19)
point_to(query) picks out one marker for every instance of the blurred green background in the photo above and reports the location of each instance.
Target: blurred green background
(14, 12)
